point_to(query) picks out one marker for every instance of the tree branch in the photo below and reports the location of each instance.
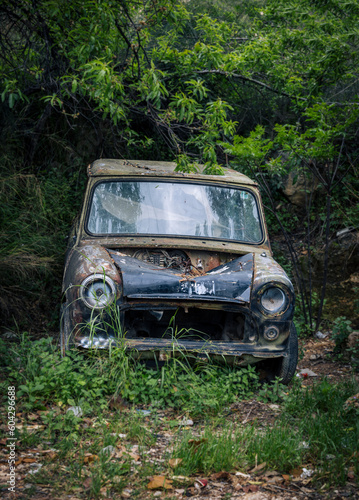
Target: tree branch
(247, 79)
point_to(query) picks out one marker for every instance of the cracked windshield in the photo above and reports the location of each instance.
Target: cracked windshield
(173, 208)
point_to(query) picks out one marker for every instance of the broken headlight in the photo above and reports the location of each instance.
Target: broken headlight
(273, 300)
(98, 291)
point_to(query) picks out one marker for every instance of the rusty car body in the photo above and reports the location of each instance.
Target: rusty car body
(163, 261)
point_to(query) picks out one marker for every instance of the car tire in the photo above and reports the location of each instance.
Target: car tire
(65, 329)
(286, 366)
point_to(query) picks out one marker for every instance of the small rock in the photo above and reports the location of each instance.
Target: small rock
(188, 422)
(320, 335)
(241, 474)
(306, 473)
(126, 493)
(117, 480)
(274, 407)
(157, 494)
(144, 412)
(76, 410)
(36, 468)
(314, 357)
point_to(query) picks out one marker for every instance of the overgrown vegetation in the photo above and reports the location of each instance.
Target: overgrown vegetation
(315, 426)
(344, 348)
(265, 87)
(42, 376)
(36, 214)
(269, 88)
(126, 409)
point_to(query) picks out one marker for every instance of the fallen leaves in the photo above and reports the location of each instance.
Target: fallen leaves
(30, 428)
(122, 451)
(25, 460)
(89, 458)
(175, 462)
(159, 482)
(259, 467)
(220, 475)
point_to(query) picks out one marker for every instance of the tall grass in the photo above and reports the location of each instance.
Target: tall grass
(329, 426)
(234, 447)
(42, 376)
(35, 215)
(317, 429)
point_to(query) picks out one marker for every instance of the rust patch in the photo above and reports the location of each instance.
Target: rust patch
(212, 262)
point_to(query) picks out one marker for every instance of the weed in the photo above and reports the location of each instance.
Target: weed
(212, 451)
(272, 392)
(341, 331)
(278, 446)
(331, 429)
(36, 212)
(236, 447)
(324, 416)
(89, 381)
(194, 389)
(42, 376)
(132, 425)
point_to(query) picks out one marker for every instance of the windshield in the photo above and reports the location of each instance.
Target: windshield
(174, 208)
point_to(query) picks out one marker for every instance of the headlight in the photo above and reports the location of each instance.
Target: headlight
(273, 300)
(98, 291)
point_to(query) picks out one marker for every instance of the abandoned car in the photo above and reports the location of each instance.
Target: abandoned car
(163, 261)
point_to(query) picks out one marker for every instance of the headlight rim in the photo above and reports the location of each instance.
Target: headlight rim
(91, 279)
(284, 307)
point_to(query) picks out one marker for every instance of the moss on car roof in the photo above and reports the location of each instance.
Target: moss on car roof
(113, 168)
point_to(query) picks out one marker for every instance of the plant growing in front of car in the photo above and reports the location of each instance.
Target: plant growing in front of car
(103, 325)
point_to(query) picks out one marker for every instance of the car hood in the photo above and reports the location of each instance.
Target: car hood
(230, 282)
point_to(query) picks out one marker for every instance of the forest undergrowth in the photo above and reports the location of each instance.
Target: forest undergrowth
(112, 426)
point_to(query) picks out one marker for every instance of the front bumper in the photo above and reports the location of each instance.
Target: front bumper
(239, 353)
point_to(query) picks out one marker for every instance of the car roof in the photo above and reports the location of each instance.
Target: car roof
(113, 168)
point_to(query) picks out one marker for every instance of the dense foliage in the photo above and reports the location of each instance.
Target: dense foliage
(267, 87)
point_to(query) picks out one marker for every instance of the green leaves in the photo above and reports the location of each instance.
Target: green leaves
(177, 385)
(151, 86)
(184, 164)
(12, 93)
(186, 108)
(254, 151)
(321, 139)
(194, 79)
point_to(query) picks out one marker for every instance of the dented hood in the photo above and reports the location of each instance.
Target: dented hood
(230, 282)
